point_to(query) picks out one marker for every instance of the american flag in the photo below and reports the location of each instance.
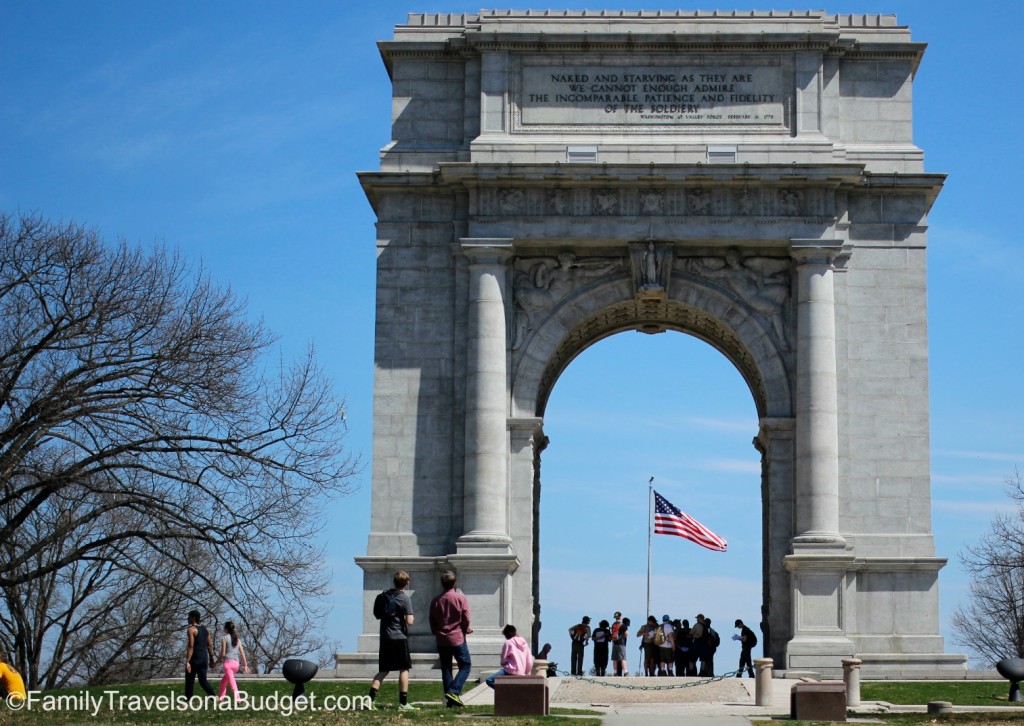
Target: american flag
(670, 520)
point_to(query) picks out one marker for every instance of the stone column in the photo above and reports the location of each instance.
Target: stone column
(817, 405)
(485, 499)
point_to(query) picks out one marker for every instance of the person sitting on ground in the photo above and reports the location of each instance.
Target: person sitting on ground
(516, 659)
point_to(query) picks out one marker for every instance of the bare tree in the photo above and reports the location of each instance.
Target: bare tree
(991, 625)
(138, 431)
(276, 634)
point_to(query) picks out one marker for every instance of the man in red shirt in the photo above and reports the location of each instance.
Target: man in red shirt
(449, 622)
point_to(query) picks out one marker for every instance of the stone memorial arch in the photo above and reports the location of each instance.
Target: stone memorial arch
(746, 178)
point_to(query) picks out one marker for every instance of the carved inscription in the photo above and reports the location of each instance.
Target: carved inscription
(652, 95)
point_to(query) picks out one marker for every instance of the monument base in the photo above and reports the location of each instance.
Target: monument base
(913, 666)
(425, 666)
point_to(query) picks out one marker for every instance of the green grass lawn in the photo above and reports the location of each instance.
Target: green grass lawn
(959, 693)
(130, 706)
(1014, 718)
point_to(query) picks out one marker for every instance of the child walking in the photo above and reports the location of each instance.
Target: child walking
(231, 654)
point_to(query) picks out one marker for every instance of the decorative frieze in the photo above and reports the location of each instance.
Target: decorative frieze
(693, 201)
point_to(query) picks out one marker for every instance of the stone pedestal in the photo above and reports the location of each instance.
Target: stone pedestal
(763, 681)
(851, 677)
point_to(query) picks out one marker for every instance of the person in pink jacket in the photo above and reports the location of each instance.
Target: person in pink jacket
(516, 659)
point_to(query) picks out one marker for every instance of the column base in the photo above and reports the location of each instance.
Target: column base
(483, 543)
(822, 655)
(821, 541)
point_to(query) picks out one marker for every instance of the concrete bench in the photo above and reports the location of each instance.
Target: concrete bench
(521, 696)
(821, 701)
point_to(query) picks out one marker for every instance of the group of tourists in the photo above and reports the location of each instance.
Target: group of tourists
(671, 647)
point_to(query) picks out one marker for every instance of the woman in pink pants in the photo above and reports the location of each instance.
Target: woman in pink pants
(231, 654)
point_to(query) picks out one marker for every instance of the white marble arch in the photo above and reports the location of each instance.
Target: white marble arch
(518, 223)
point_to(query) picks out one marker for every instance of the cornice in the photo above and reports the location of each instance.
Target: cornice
(473, 175)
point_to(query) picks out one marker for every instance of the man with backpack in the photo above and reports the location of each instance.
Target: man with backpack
(747, 642)
(394, 610)
(580, 634)
(711, 642)
(697, 633)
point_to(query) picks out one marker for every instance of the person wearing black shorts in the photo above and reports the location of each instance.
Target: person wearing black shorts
(394, 642)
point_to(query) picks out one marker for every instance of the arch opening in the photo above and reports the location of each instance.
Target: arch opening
(627, 407)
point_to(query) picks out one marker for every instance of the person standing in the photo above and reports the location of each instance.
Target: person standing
(620, 639)
(580, 635)
(231, 655)
(602, 637)
(747, 642)
(683, 643)
(396, 615)
(647, 633)
(449, 622)
(199, 655)
(697, 633)
(616, 623)
(666, 647)
(711, 643)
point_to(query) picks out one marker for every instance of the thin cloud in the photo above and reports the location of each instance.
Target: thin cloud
(984, 455)
(720, 424)
(973, 248)
(987, 508)
(735, 466)
(968, 479)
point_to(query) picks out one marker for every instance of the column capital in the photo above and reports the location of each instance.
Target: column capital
(486, 250)
(815, 251)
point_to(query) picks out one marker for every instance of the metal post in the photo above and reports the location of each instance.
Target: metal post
(650, 531)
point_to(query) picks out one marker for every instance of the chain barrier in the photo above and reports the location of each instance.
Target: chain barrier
(633, 687)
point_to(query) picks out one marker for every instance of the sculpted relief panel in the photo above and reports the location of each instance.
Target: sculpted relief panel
(763, 283)
(760, 283)
(540, 283)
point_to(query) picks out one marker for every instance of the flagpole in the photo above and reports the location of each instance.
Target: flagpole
(650, 525)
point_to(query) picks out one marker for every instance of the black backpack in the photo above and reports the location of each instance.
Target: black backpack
(386, 604)
(751, 638)
(713, 638)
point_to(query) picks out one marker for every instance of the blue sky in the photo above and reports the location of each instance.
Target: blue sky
(233, 131)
